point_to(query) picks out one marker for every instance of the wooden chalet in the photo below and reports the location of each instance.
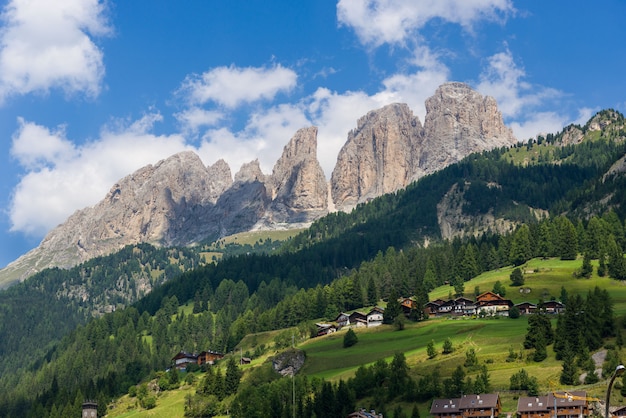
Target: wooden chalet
(533, 407)
(468, 406)
(375, 316)
(567, 404)
(358, 319)
(553, 307)
(209, 357)
(618, 412)
(245, 360)
(491, 303)
(183, 358)
(432, 307)
(526, 308)
(459, 306)
(342, 320)
(446, 408)
(324, 329)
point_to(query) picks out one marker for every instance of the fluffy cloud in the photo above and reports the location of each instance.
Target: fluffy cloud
(504, 80)
(47, 44)
(63, 177)
(378, 22)
(523, 105)
(233, 86)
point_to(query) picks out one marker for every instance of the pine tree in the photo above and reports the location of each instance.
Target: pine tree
(430, 349)
(393, 308)
(521, 250)
(569, 372)
(517, 278)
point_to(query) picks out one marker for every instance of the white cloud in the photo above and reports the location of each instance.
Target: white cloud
(62, 178)
(37, 147)
(194, 118)
(504, 80)
(538, 123)
(233, 86)
(377, 22)
(524, 104)
(47, 44)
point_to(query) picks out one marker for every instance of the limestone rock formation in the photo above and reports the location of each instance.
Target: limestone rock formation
(460, 121)
(298, 184)
(572, 135)
(380, 156)
(390, 149)
(179, 201)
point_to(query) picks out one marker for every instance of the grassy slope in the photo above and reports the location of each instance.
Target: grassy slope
(492, 339)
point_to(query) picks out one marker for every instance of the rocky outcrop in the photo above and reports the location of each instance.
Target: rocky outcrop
(298, 184)
(389, 148)
(572, 135)
(289, 362)
(460, 121)
(381, 156)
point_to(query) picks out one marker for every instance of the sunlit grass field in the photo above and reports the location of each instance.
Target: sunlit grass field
(493, 340)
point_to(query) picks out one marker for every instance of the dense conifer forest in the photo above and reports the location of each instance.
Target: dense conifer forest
(57, 348)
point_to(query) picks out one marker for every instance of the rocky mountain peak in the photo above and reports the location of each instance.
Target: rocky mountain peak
(460, 121)
(250, 172)
(221, 178)
(298, 184)
(179, 201)
(380, 156)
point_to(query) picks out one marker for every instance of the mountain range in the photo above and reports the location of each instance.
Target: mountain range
(179, 201)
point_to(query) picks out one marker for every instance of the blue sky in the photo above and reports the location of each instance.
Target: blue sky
(92, 90)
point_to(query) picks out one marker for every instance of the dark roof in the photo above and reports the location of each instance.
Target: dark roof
(532, 305)
(376, 309)
(445, 406)
(574, 401)
(357, 315)
(485, 400)
(184, 354)
(533, 404)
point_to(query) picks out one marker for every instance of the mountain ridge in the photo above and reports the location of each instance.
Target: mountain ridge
(179, 201)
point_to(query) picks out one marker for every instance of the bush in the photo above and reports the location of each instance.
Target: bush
(517, 278)
(149, 402)
(350, 339)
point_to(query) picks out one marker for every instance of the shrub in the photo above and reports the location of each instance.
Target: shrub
(350, 339)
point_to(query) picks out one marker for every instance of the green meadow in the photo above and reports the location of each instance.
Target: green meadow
(493, 339)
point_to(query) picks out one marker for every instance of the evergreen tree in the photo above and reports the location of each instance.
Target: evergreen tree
(350, 338)
(447, 346)
(498, 288)
(430, 349)
(415, 413)
(517, 278)
(586, 269)
(372, 294)
(521, 249)
(540, 353)
(568, 248)
(569, 372)
(393, 309)
(232, 378)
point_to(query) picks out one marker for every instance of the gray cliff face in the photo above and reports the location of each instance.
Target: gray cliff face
(179, 201)
(390, 149)
(381, 156)
(298, 184)
(460, 121)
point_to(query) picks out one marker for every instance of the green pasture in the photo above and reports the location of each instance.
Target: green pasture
(169, 404)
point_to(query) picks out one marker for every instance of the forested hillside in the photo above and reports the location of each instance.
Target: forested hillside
(342, 262)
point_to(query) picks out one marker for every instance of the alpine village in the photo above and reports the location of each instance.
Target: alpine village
(445, 269)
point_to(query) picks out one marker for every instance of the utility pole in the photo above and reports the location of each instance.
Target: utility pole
(293, 380)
